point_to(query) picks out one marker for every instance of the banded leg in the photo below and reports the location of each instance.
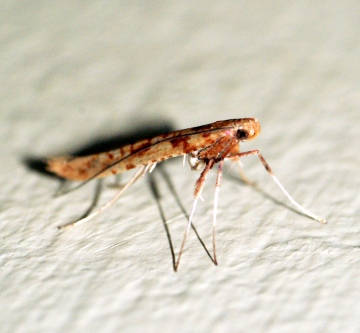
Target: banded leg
(197, 193)
(268, 169)
(216, 199)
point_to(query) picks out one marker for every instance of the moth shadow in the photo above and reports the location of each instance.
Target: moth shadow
(105, 143)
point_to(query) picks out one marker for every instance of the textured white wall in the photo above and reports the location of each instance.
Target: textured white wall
(72, 72)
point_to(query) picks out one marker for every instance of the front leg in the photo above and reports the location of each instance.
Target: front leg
(197, 193)
(268, 169)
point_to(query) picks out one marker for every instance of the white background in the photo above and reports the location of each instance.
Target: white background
(74, 72)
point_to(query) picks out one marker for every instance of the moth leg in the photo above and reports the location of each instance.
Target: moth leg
(197, 193)
(268, 169)
(139, 173)
(233, 152)
(216, 199)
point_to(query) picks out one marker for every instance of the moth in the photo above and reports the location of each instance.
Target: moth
(205, 146)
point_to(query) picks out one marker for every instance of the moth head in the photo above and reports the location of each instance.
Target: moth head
(247, 129)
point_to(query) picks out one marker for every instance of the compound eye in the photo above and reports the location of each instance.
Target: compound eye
(241, 134)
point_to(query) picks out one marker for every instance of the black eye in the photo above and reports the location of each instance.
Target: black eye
(242, 134)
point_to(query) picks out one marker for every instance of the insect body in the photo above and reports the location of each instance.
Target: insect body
(205, 146)
(213, 141)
